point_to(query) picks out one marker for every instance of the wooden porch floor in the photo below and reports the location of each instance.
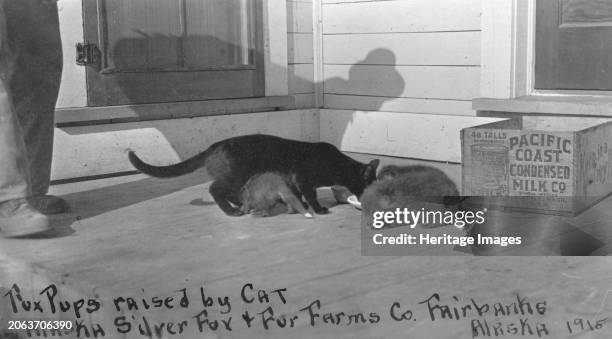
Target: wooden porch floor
(143, 237)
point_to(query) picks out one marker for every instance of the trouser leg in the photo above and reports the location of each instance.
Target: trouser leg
(33, 32)
(13, 160)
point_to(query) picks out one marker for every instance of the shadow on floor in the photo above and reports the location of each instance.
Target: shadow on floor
(94, 202)
(88, 204)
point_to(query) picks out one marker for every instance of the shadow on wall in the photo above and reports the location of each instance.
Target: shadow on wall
(365, 78)
(369, 78)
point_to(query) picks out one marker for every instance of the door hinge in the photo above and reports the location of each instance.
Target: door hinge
(88, 54)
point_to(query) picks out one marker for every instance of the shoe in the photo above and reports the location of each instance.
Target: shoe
(49, 204)
(19, 219)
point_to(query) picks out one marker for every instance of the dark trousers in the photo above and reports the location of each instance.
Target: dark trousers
(30, 73)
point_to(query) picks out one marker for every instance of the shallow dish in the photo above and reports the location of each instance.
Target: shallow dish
(354, 201)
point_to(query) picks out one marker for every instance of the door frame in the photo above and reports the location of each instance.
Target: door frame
(508, 52)
(507, 64)
(73, 88)
(109, 87)
(508, 42)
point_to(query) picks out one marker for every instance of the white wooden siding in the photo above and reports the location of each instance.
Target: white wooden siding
(418, 136)
(299, 47)
(401, 16)
(430, 106)
(300, 79)
(299, 16)
(437, 48)
(399, 75)
(425, 82)
(423, 55)
(300, 68)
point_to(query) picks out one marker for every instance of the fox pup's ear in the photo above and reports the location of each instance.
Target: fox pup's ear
(369, 174)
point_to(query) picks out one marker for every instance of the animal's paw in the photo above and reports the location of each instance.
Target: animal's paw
(235, 213)
(321, 210)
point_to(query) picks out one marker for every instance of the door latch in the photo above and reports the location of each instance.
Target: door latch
(88, 54)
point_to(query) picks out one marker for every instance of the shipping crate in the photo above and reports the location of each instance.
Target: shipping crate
(551, 165)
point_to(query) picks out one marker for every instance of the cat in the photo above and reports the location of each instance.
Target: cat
(411, 187)
(232, 162)
(264, 193)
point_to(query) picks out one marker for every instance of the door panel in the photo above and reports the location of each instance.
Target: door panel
(584, 12)
(142, 35)
(573, 44)
(225, 34)
(174, 50)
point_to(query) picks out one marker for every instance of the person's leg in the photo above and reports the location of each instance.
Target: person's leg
(33, 32)
(13, 163)
(17, 218)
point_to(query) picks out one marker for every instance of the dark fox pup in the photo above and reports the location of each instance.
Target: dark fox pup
(267, 194)
(232, 162)
(426, 183)
(411, 187)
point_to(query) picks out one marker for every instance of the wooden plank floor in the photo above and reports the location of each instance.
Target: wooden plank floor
(143, 237)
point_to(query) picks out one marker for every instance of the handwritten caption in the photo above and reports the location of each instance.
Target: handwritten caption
(196, 310)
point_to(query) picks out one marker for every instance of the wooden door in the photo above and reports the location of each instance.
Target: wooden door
(573, 44)
(173, 50)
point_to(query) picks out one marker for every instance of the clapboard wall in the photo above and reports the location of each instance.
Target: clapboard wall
(406, 58)
(433, 45)
(300, 52)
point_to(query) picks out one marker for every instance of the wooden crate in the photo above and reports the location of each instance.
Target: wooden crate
(551, 165)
